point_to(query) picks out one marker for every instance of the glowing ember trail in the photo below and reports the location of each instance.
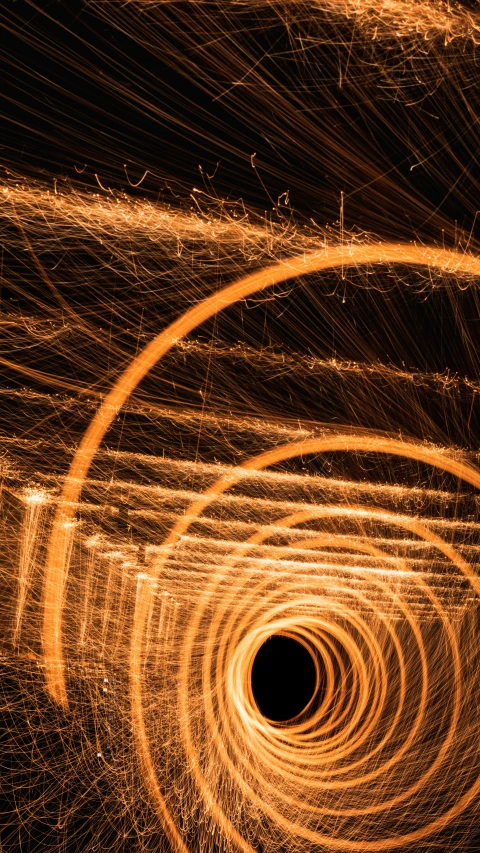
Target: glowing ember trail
(239, 427)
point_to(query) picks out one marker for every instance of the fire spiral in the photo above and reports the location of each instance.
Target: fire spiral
(329, 776)
(239, 467)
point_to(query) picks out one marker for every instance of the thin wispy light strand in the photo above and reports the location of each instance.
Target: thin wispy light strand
(217, 426)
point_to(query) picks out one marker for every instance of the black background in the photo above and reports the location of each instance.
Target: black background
(221, 97)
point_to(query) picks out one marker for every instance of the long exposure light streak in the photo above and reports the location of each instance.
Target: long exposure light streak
(57, 563)
(239, 405)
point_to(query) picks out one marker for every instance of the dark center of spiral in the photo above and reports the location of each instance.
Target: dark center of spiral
(283, 678)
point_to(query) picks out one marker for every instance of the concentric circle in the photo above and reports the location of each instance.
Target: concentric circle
(368, 765)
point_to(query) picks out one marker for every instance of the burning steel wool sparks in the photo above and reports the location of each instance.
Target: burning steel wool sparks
(239, 427)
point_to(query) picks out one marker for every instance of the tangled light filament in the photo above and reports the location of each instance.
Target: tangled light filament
(224, 427)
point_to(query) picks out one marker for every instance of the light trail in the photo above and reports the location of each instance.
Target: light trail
(220, 425)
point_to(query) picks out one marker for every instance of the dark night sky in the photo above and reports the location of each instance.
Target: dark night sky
(284, 111)
(92, 87)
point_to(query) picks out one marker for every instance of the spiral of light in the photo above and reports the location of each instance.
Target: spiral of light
(366, 765)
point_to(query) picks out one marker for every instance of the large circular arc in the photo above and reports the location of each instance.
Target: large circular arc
(414, 525)
(330, 257)
(329, 443)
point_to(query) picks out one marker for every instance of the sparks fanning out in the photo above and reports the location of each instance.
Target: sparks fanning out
(221, 425)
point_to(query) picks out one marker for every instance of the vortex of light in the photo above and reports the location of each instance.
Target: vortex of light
(225, 427)
(369, 758)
